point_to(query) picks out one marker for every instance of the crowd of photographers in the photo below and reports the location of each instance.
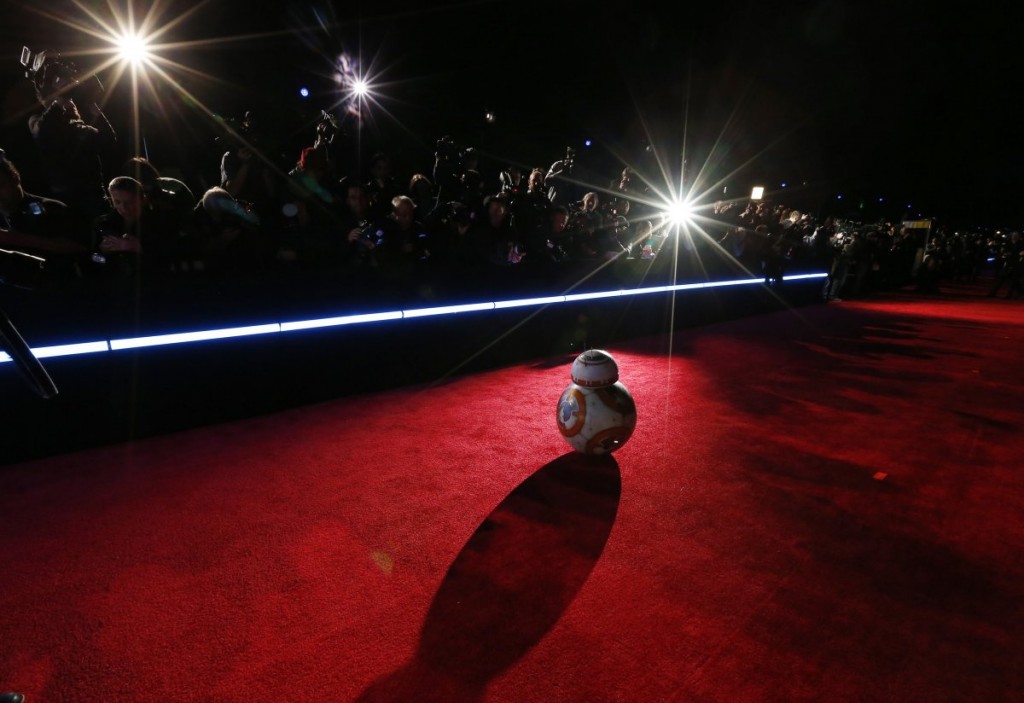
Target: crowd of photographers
(455, 221)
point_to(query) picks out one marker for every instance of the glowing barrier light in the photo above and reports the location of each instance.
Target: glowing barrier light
(339, 321)
(367, 318)
(184, 337)
(64, 350)
(593, 296)
(447, 310)
(805, 276)
(527, 302)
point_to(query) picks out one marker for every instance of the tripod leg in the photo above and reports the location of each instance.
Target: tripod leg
(31, 369)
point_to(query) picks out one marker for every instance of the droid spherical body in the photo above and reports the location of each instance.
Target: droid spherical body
(596, 414)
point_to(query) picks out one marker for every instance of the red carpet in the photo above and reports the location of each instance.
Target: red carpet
(823, 505)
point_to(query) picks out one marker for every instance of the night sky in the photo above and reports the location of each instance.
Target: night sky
(869, 99)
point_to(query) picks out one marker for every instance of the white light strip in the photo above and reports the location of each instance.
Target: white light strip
(339, 321)
(63, 350)
(738, 282)
(342, 320)
(525, 302)
(184, 337)
(70, 349)
(593, 296)
(447, 310)
(804, 276)
(646, 291)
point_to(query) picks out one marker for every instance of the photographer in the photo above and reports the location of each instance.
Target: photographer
(73, 149)
(382, 186)
(530, 218)
(559, 179)
(448, 170)
(34, 225)
(166, 195)
(361, 233)
(231, 238)
(245, 173)
(133, 244)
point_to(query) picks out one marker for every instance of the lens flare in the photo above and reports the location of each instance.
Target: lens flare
(679, 212)
(133, 48)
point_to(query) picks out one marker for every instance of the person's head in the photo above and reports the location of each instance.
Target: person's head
(403, 209)
(461, 217)
(559, 218)
(141, 170)
(591, 201)
(357, 199)
(225, 209)
(127, 197)
(472, 182)
(380, 165)
(11, 191)
(420, 187)
(626, 179)
(497, 210)
(644, 229)
(536, 181)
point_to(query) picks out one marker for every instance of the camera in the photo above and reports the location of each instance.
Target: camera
(239, 134)
(328, 127)
(54, 75)
(569, 160)
(448, 150)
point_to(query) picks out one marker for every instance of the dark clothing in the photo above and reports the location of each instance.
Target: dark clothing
(259, 187)
(158, 247)
(73, 153)
(531, 220)
(47, 218)
(1009, 265)
(43, 217)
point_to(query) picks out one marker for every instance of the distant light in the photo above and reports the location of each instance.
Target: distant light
(360, 88)
(881, 200)
(304, 92)
(587, 143)
(490, 117)
(132, 48)
(839, 197)
(757, 193)
(783, 184)
(680, 212)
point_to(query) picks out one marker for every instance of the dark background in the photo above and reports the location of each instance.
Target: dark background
(888, 104)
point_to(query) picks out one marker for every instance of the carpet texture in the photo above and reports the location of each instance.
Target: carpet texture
(823, 504)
